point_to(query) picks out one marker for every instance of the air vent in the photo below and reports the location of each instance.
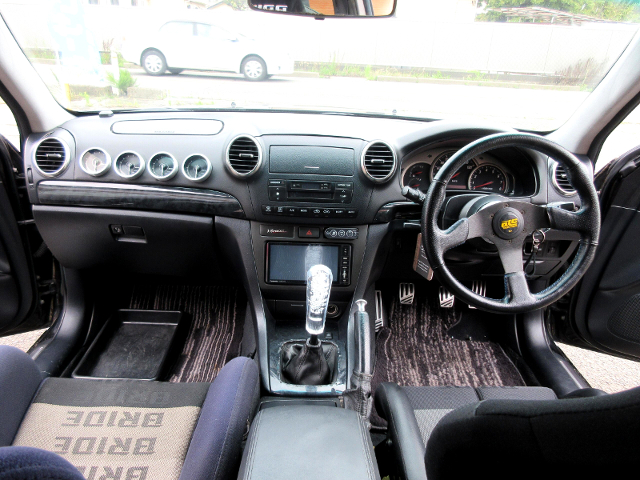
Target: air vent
(378, 161)
(51, 156)
(244, 156)
(561, 180)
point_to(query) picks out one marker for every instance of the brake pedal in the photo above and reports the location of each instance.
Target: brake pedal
(447, 299)
(407, 293)
(380, 321)
(479, 287)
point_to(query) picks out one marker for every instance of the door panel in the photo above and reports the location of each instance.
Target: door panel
(606, 305)
(17, 287)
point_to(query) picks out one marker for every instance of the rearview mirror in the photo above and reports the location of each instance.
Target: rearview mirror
(327, 8)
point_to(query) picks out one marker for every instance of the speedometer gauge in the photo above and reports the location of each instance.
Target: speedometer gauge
(129, 165)
(488, 178)
(459, 179)
(95, 162)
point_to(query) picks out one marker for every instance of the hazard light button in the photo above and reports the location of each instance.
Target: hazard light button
(308, 232)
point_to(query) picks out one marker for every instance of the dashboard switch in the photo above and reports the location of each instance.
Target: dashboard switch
(308, 232)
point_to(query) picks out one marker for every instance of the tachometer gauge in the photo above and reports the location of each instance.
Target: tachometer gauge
(488, 178)
(196, 168)
(129, 165)
(417, 177)
(95, 162)
(459, 180)
(163, 166)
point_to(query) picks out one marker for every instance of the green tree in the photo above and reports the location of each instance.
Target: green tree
(615, 10)
(237, 4)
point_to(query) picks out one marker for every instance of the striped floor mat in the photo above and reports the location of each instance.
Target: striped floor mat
(215, 332)
(415, 350)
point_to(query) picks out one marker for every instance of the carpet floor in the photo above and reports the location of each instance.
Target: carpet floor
(415, 350)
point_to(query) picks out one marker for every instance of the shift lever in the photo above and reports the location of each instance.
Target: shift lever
(319, 279)
(312, 362)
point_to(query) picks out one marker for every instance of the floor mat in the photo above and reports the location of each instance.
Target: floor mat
(215, 331)
(415, 350)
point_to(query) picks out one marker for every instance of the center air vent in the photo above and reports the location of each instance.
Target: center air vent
(561, 180)
(51, 156)
(244, 156)
(378, 161)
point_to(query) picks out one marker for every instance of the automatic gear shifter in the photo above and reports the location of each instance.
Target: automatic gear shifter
(312, 363)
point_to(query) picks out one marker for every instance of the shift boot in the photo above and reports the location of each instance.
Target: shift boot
(306, 364)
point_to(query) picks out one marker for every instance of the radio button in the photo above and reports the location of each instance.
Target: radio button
(277, 193)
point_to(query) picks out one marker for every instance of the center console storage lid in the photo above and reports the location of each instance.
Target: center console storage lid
(311, 442)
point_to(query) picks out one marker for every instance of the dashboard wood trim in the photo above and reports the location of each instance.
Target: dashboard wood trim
(140, 197)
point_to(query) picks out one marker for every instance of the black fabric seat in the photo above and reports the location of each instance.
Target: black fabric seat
(512, 432)
(414, 412)
(124, 429)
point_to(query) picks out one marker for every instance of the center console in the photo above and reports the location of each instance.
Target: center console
(290, 442)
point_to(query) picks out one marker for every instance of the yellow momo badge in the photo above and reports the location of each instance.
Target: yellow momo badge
(511, 223)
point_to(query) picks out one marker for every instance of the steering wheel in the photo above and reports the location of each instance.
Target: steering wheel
(506, 223)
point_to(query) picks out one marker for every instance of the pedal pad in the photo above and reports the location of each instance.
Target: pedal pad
(447, 299)
(380, 322)
(407, 293)
(479, 287)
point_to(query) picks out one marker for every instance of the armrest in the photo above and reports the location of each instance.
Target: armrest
(309, 442)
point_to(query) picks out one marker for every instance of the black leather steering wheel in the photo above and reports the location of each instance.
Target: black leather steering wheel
(507, 223)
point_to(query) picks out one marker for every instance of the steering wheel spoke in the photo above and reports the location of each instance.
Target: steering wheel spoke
(517, 290)
(561, 219)
(510, 252)
(461, 231)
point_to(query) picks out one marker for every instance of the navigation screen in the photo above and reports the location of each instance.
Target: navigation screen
(289, 263)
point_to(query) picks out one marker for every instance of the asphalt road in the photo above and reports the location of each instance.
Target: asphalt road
(532, 108)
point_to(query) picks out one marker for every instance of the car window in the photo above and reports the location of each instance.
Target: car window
(8, 125)
(623, 138)
(203, 30)
(177, 29)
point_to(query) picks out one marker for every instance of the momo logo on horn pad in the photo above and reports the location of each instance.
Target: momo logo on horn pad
(508, 223)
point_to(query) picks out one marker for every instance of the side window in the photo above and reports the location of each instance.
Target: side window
(623, 138)
(8, 125)
(203, 30)
(178, 29)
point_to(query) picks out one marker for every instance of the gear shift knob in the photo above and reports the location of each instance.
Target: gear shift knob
(319, 279)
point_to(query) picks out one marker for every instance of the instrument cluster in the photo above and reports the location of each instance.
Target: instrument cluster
(484, 173)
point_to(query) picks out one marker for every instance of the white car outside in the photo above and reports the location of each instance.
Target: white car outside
(194, 45)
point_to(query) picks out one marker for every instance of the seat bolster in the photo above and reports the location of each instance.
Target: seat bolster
(26, 463)
(393, 405)
(215, 449)
(19, 381)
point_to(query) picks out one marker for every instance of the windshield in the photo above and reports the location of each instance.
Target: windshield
(522, 63)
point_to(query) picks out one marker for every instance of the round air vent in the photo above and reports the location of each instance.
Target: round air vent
(244, 156)
(560, 180)
(51, 156)
(378, 161)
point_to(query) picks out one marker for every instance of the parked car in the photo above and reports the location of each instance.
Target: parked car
(189, 45)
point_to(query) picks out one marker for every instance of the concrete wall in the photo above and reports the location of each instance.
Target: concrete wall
(417, 37)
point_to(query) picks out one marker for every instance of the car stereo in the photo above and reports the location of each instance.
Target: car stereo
(310, 191)
(287, 263)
